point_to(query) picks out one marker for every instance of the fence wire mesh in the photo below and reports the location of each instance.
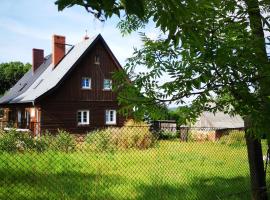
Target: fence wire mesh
(131, 162)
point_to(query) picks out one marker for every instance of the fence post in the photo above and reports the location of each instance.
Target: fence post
(256, 167)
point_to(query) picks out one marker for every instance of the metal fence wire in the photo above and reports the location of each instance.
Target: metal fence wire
(130, 162)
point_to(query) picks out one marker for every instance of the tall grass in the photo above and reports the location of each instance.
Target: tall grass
(233, 138)
(171, 170)
(126, 137)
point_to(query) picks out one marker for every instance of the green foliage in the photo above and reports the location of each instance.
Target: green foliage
(234, 139)
(106, 8)
(207, 48)
(168, 135)
(10, 73)
(132, 137)
(182, 115)
(100, 140)
(45, 142)
(127, 137)
(64, 141)
(12, 141)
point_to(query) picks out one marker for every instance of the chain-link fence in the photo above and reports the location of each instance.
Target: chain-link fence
(131, 162)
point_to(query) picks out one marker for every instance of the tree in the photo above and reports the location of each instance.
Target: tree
(10, 73)
(208, 48)
(182, 115)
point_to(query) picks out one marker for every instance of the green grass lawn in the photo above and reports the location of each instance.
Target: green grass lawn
(172, 170)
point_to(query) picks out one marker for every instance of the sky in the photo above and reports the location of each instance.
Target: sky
(27, 24)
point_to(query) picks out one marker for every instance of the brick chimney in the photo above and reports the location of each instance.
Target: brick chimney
(37, 58)
(58, 48)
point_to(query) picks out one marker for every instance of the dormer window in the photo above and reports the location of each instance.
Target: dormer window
(97, 61)
(22, 87)
(86, 83)
(107, 84)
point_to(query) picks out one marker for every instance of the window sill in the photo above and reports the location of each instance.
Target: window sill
(111, 123)
(83, 124)
(107, 89)
(86, 88)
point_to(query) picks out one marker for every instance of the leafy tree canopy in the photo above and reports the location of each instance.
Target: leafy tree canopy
(213, 51)
(10, 73)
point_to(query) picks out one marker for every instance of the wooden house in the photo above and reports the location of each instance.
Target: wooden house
(70, 89)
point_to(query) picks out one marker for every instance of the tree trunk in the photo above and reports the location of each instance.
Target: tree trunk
(256, 167)
(256, 164)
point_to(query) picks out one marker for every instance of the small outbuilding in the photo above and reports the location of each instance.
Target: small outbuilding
(212, 126)
(166, 125)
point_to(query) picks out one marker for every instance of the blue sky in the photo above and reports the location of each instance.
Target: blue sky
(27, 24)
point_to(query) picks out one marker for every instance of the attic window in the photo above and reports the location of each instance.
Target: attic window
(38, 83)
(97, 61)
(107, 84)
(23, 87)
(86, 83)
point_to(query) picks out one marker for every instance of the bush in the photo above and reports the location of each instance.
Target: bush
(133, 137)
(233, 138)
(121, 138)
(64, 141)
(168, 135)
(12, 141)
(100, 140)
(44, 142)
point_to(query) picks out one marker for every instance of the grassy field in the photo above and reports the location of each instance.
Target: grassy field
(171, 170)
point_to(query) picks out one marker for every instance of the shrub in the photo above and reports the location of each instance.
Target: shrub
(168, 135)
(64, 141)
(133, 137)
(44, 142)
(233, 138)
(100, 140)
(12, 141)
(121, 138)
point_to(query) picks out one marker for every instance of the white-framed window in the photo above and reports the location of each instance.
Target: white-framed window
(83, 117)
(107, 84)
(86, 83)
(110, 116)
(97, 60)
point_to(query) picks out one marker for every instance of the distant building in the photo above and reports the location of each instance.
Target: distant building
(219, 120)
(166, 125)
(212, 126)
